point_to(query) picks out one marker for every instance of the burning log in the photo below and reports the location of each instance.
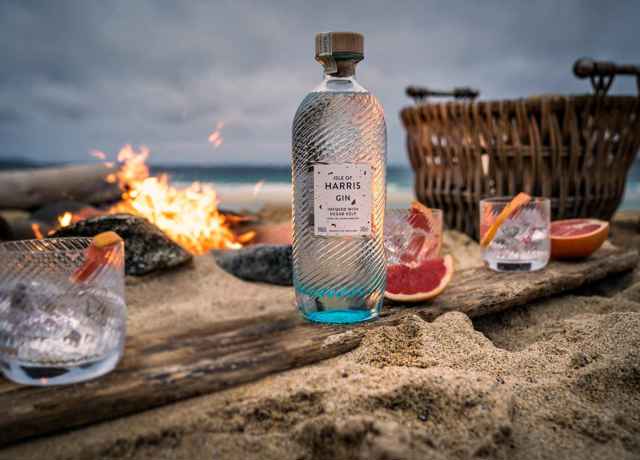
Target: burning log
(18, 225)
(147, 248)
(28, 189)
(187, 215)
(51, 213)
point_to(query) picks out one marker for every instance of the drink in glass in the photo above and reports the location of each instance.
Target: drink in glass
(412, 235)
(62, 311)
(521, 240)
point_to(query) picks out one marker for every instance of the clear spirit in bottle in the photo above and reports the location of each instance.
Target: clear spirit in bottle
(338, 170)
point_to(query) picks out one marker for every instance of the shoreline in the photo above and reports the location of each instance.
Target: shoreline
(254, 198)
(244, 196)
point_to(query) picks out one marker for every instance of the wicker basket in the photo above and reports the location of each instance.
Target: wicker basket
(576, 150)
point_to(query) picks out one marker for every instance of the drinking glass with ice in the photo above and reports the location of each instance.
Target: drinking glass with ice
(62, 309)
(515, 233)
(412, 235)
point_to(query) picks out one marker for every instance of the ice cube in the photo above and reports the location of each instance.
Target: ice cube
(529, 217)
(52, 323)
(509, 230)
(405, 244)
(539, 234)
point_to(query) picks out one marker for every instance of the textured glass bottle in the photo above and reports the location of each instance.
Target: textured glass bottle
(338, 170)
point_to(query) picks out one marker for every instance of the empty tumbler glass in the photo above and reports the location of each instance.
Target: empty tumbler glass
(62, 313)
(521, 241)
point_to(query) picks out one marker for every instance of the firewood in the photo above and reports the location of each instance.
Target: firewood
(33, 188)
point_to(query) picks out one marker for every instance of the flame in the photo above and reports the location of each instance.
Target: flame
(35, 228)
(189, 216)
(215, 138)
(65, 219)
(134, 170)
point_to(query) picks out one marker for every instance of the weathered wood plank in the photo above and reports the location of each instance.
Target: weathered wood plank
(166, 366)
(480, 292)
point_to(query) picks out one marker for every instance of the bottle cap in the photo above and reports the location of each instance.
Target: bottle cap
(336, 46)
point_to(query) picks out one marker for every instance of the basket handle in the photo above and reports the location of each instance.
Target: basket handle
(602, 73)
(420, 93)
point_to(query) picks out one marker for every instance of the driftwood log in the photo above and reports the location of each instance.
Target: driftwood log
(33, 188)
(164, 366)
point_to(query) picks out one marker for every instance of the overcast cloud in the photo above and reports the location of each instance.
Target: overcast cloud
(81, 75)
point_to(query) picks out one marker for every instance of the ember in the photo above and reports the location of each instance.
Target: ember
(189, 216)
(215, 138)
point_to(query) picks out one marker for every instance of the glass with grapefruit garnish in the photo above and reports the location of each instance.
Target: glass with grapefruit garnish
(62, 308)
(416, 270)
(514, 233)
(412, 235)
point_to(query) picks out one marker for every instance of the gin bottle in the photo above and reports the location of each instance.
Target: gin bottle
(338, 172)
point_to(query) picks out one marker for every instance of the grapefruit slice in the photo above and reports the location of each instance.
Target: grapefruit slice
(516, 203)
(101, 252)
(577, 238)
(416, 284)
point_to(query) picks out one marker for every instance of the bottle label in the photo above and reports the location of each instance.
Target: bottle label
(342, 199)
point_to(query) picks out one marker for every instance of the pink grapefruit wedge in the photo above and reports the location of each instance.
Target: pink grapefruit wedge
(416, 284)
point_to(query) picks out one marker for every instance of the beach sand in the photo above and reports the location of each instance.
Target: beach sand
(557, 379)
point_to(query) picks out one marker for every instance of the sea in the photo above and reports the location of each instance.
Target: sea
(253, 186)
(250, 187)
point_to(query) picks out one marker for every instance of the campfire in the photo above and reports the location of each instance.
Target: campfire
(189, 216)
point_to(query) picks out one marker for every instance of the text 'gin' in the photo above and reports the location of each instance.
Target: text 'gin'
(338, 169)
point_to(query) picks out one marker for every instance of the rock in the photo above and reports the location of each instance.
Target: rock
(147, 248)
(260, 262)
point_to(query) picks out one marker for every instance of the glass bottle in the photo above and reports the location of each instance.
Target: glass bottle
(339, 145)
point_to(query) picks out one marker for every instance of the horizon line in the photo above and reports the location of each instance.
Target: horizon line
(31, 162)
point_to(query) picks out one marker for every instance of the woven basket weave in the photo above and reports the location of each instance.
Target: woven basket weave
(576, 150)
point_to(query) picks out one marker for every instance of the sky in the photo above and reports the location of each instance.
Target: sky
(82, 75)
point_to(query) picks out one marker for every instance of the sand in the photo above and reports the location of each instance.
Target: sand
(557, 379)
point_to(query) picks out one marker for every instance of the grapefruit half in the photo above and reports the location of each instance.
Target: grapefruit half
(415, 284)
(577, 238)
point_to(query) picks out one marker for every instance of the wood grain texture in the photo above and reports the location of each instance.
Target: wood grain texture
(27, 189)
(165, 366)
